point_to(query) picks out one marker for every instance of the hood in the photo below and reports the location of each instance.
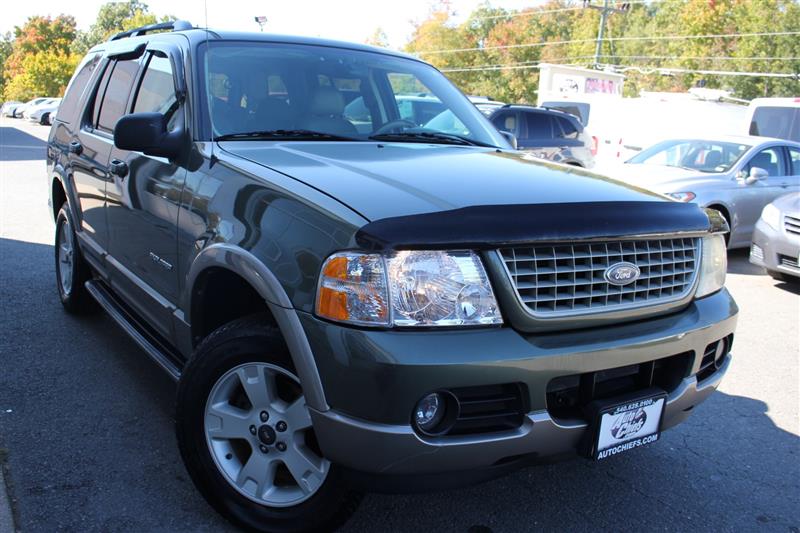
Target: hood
(656, 177)
(381, 180)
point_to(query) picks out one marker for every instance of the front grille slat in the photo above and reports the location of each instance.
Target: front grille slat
(792, 224)
(568, 279)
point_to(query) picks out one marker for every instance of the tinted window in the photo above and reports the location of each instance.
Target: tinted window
(68, 109)
(699, 155)
(794, 155)
(539, 126)
(101, 89)
(568, 130)
(779, 122)
(505, 121)
(157, 90)
(770, 160)
(116, 94)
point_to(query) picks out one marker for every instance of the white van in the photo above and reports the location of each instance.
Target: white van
(774, 117)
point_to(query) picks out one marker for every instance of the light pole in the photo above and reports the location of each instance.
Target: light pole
(261, 21)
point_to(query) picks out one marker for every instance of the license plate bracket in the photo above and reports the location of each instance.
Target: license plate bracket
(626, 422)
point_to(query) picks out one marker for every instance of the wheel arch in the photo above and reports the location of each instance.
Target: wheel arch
(238, 262)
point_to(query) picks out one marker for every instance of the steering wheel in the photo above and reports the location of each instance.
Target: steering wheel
(394, 125)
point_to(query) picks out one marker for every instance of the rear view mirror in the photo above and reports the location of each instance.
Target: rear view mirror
(147, 132)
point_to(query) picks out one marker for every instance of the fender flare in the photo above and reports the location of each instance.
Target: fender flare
(251, 269)
(60, 173)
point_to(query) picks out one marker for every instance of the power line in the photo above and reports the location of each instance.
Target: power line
(537, 12)
(574, 58)
(640, 69)
(614, 39)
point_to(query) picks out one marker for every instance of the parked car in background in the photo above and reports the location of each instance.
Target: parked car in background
(43, 112)
(546, 134)
(486, 105)
(736, 175)
(8, 108)
(775, 117)
(20, 110)
(776, 239)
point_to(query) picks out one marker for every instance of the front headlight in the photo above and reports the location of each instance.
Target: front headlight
(771, 215)
(682, 196)
(407, 288)
(713, 265)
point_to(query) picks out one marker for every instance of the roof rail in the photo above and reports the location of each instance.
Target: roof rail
(173, 25)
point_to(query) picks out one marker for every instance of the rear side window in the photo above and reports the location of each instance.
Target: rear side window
(157, 90)
(68, 109)
(568, 130)
(505, 121)
(539, 126)
(778, 122)
(115, 98)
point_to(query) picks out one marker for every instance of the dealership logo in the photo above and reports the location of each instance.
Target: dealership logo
(622, 273)
(628, 424)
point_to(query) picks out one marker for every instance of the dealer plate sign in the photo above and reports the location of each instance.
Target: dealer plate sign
(629, 425)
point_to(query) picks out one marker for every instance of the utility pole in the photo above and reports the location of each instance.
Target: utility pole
(605, 11)
(261, 21)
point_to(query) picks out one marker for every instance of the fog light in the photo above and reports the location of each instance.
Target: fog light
(429, 412)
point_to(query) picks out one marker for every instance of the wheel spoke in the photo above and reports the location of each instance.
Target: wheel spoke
(259, 470)
(258, 387)
(297, 415)
(224, 421)
(308, 471)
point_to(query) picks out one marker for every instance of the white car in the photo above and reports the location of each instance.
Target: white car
(736, 175)
(8, 108)
(44, 112)
(20, 109)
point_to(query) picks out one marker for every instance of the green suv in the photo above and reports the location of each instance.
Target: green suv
(354, 303)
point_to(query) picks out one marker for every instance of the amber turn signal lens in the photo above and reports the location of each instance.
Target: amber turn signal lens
(352, 288)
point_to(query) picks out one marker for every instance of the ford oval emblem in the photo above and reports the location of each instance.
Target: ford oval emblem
(622, 274)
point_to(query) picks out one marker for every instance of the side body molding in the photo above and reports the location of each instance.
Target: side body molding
(246, 265)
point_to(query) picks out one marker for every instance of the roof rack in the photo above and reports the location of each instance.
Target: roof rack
(173, 25)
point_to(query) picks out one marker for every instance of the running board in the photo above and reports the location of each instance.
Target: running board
(130, 325)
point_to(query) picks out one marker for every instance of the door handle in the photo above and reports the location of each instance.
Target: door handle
(119, 168)
(75, 148)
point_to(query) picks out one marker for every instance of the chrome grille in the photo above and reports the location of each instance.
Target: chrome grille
(569, 279)
(792, 224)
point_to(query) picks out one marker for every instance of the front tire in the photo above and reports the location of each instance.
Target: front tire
(45, 119)
(72, 272)
(246, 438)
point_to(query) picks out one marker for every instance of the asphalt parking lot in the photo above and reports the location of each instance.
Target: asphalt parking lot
(86, 436)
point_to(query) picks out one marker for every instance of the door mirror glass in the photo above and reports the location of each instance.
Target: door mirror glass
(758, 173)
(147, 133)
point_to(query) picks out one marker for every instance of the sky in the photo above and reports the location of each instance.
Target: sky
(349, 20)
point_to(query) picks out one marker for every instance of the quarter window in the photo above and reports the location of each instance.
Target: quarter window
(68, 108)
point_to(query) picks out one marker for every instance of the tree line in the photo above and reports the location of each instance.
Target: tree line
(494, 51)
(39, 57)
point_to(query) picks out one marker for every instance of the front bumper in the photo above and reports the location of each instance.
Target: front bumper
(373, 379)
(770, 246)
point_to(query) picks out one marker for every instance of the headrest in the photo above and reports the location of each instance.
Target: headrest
(327, 101)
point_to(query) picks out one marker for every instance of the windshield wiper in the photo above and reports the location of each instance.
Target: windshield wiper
(428, 136)
(293, 135)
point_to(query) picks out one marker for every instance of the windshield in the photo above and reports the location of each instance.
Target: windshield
(297, 92)
(703, 156)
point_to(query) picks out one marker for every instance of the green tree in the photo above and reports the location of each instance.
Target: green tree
(5, 51)
(112, 18)
(40, 62)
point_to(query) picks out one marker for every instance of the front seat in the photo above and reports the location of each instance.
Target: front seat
(325, 113)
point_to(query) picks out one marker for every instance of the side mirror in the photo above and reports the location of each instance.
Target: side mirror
(756, 173)
(147, 132)
(512, 140)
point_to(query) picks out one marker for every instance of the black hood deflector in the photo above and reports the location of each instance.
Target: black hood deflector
(491, 226)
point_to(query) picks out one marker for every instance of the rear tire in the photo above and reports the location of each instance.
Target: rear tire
(45, 119)
(241, 379)
(72, 272)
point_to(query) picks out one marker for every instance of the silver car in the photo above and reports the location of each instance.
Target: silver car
(776, 239)
(737, 175)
